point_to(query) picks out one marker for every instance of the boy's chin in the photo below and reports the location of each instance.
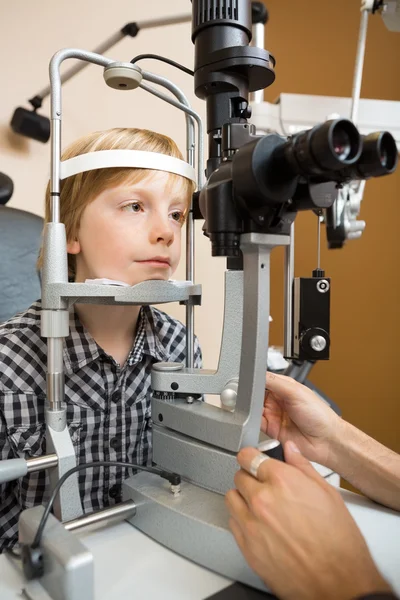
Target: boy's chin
(158, 276)
(161, 277)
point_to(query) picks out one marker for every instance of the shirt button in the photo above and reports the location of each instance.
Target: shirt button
(115, 443)
(113, 491)
(116, 397)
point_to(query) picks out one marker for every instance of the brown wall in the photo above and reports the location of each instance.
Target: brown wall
(314, 44)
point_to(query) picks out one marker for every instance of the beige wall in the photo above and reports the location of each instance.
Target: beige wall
(314, 43)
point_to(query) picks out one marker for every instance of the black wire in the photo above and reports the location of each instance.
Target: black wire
(162, 59)
(172, 477)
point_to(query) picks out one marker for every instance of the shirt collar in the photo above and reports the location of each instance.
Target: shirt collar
(148, 338)
(80, 349)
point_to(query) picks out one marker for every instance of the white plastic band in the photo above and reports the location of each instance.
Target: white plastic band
(139, 159)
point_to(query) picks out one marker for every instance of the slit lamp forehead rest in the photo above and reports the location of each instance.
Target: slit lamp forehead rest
(138, 159)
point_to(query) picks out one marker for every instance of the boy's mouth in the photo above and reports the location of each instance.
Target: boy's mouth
(156, 261)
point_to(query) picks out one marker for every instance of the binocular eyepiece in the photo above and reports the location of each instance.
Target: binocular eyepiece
(335, 151)
(270, 178)
(379, 156)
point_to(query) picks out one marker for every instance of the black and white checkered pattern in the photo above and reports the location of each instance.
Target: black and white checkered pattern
(108, 407)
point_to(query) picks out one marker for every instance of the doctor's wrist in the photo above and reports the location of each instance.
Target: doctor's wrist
(337, 445)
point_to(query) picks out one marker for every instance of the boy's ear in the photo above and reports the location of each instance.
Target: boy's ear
(73, 247)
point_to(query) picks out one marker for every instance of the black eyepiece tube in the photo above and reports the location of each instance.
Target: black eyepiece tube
(324, 148)
(319, 151)
(335, 144)
(379, 155)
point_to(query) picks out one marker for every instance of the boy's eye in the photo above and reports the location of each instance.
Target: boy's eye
(132, 207)
(178, 216)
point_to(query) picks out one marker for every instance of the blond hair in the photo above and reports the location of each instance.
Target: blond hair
(79, 190)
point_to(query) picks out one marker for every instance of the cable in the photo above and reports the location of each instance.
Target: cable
(173, 478)
(162, 59)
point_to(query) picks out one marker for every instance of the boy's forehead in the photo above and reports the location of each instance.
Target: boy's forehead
(159, 180)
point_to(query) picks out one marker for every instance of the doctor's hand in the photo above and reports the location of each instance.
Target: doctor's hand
(293, 412)
(296, 533)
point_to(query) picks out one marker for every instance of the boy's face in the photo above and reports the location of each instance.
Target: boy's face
(132, 232)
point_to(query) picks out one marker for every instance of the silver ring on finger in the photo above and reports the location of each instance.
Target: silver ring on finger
(256, 462)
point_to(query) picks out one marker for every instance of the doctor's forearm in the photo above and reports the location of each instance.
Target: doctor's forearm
(367, 465)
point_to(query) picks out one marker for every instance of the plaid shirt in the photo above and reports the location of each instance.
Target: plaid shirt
(108, 407)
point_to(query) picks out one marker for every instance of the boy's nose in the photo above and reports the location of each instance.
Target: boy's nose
(161, 231)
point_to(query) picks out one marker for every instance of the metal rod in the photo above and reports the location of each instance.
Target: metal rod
(69, 73)
(258, 31)
(304, 370)
(110, 42)
(190, 277)
(55, 373)
(112, 514)
(55, 77)
(289, 279)
(318, 241)
(55, 126)
(184, 18)
(55, 87)
(41, 462)
(293, 369)
(358, 70)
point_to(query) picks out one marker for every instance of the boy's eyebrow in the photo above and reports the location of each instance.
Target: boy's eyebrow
(126, 194)
(181, 199)
(130, 190)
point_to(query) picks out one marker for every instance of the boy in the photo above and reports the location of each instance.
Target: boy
(122, 224)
